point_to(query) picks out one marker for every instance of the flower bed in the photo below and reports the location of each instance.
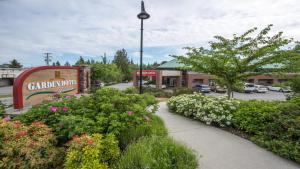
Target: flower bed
(87, 132)
(211, 110)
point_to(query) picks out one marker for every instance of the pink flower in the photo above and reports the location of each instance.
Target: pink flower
(90, 142)
(65, 109)
(130, 113)
(7, 119)
(54, 109)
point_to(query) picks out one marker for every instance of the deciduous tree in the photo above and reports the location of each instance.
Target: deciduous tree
(233, 60)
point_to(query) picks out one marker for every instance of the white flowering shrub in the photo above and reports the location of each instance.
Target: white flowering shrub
(216, 110)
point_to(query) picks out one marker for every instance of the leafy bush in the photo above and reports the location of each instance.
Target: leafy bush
(155, 126)
(157, 92)
(157, 153)
(253, 115)
(274, 125)
(295, 84)
(216, 110)
(25, 147)
(106, 111)
(2, 109)
(131, 90)
(92, 152)
(182, 90)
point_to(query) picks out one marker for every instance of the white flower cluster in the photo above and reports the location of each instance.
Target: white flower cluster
(217, 110)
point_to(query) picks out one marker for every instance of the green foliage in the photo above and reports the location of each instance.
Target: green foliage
(273, 125)
(252, 115)
(80, 61)
(233, 60)
(211, 110)
(182, 90)
(157, 153)
(23, 147)
(154, 126)
(92, 152)
(15, 64)
(157, 92)
(122, 62)
(106, 111)
(2, 109)
(131, 90)
(295, 84)
(105, 73)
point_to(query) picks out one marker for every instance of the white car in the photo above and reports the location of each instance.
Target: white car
(249, 88)
(286, 90)
(274, 88)
(260, 89)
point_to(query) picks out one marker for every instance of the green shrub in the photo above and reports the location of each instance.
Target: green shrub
(155, 126)
(106, 111)
(131, 90)
(2, 109)
(157, 153)
(92, 152)
(68, 126)
(157, 92)
(23, 147)
(273, 125)
(253, 115)
(182, 90)
(211, 110)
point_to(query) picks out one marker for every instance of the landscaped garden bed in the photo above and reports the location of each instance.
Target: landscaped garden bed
(274, 125)
(104, 130)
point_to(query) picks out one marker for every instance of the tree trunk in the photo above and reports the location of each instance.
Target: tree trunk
(229, 92)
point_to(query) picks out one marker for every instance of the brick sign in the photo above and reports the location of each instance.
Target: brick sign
(146, 73)
(37, 84)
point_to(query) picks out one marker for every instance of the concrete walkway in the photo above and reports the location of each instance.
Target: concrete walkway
(219, 149)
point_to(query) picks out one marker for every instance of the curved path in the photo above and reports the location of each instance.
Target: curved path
(219, 149)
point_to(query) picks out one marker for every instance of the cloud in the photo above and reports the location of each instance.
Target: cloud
(70, 28)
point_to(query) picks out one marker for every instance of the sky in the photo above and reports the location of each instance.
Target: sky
(89, 28)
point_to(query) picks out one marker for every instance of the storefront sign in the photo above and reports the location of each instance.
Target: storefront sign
(146, 73)
(40, 83)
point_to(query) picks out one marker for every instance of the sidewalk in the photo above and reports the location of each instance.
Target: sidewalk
(219, 149)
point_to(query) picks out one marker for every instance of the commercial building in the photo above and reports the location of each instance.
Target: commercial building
(171, 74)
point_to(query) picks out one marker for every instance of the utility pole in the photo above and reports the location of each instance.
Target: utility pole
(48, 58)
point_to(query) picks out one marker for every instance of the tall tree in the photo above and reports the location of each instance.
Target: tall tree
(57, 63)
(80, 61)
(105, 73)
(14, 64)
(233, 60)
(104, 59)
(67, 64)
(121, 60)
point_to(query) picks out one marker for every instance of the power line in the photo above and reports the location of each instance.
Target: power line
(47, 58)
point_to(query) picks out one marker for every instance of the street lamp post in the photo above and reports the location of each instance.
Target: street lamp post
(143, 15)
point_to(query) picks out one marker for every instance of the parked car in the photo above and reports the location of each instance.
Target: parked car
(286, 89)
(260, 89)
(249, 88)
(203, 88)
(218, 89)
(274, 88)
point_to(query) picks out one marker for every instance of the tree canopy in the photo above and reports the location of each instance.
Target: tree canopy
(15, 64)
(233, 60)
(105, 73)
(122, 62)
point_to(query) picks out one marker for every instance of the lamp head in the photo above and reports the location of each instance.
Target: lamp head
(143, 14)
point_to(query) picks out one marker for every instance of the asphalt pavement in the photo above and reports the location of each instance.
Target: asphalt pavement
(218, 149)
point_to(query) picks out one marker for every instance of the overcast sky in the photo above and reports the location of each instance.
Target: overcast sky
(70, 28)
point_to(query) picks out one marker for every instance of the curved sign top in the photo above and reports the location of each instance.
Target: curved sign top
(37, 84)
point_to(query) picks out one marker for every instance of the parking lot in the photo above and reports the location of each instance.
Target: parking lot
(270, 95)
